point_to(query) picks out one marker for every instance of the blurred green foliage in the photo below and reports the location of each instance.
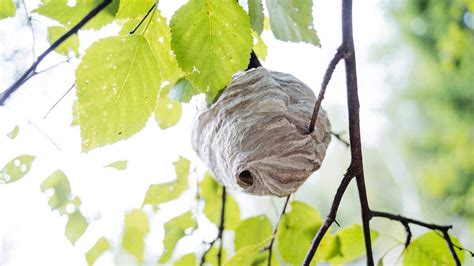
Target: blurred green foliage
(441, 140)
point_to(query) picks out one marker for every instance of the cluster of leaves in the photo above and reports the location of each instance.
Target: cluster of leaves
(442, 88)
(122, 80)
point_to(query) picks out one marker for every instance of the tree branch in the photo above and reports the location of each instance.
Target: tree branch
(270, 245)
(32, 70)
(327, 77)
(340, 138)
(143, 19)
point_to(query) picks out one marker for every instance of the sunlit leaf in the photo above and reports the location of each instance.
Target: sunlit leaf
(186, 260)
(97, 250)
(182, 91)
(160, 193)
(256, 15)
(119, 165)
(117, 85)
(159, 37)
(252, 231)
(211, 256)
(430, 249)
(75, 112)
(175, 229)
(133, 8)
(292, 20)
(348, 244)
(71, 15)
(212, 40)
(136, 228)
(14, 133)
(59, 184)
(76, 226)
(7, 8)
(296, 230)
(260, 48)
(16, 169)
(211, 193)
(71, 44)
(167, 112)
(247, 254)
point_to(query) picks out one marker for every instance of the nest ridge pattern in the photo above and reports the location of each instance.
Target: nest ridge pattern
(255, 138)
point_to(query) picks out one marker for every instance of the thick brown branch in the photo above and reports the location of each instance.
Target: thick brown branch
(331, 216)
(32, 69)
(275, 231)
(327, 77)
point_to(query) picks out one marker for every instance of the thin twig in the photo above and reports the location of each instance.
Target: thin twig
(32, 69)
(327, 77)
(52, 67)
(442, 228)
(219, 233)
(28, 21)
(331, 217)
(54, 105)
(143, 19)
(340, 138)
(270, 245)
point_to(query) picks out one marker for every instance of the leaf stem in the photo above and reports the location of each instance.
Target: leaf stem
(270, 245)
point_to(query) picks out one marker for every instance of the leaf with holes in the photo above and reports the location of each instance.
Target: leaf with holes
(136, 228)
(212, 40)
(175, 229)
(117, 87)
(70, 45)
(167, 112)
(61, 195)
(7, 8)
(69, 16)
(97, 250)
(292, 20)
(16, 169)
(431, 249)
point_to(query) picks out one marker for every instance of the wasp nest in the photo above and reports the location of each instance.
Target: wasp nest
(255, 137)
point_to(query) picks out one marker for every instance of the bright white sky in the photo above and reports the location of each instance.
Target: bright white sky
(31, 234)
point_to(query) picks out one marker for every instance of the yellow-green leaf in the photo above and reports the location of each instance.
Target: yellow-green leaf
(16, 169)
(133, 8)
(431, 249)
(76, 226)
(59, 183)
(117, 87)
(186, 260)
(252, 231)
(212, 40)
(71, 44)
(247, 254)
(97, 250)
(119, 165)
(160, 193)
(260, 48)
(167, 112)
(182, 91)
(14, 133)
(7, 8)
(175, 229)
(136, 228)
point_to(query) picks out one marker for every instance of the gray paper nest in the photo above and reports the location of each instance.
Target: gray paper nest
(255, 137)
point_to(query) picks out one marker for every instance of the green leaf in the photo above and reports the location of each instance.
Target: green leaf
(159, 37)
(14, 133)
(119, 165)
(296, 231)
(117, 86)
(76, 226)
(256, 15)
(160, 193)
(71, 44)
(247, 254)
(71, 15)
(7, 9)
(59, 199)
(260, 48)
(97, 250)
(211, 256)
(212, 41)
(431, 249)
(136, 227)
(75, 112)
(16, 169)
(186, 260)
(292, 20)
(211, 193)
(175, 229)
(167, 112)
(348, 244)
(182, 91)
(133, 8)
(252, 231)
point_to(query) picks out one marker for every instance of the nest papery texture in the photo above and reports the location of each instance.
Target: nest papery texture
(255, 137)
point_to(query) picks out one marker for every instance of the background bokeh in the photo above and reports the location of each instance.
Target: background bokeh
(416, 78)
